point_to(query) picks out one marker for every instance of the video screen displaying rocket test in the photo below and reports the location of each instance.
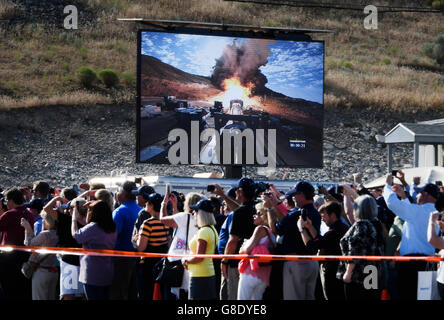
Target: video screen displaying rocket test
(210, 99)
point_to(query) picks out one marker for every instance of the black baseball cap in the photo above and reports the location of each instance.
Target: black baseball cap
(288, 195)
(203, 204)
(155, 199)
(245, 183)
(144, 191)
(302, 187)
(36, 203)
(231, 193)
(431, 189)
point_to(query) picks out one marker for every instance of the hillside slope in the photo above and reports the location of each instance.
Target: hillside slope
(382, 69)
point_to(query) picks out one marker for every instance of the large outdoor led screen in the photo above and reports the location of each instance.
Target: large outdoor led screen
(211, 99)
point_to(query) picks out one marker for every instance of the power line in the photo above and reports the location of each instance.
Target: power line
(338, 6)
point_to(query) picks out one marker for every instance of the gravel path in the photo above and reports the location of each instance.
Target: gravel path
(69, 144)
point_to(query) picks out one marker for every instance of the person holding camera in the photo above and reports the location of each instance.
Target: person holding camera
(327, 244)
(242, 227)
(414, 232)
(96, 272)
(70, 287)
(255, 275)
(299, 277)
(184, 230)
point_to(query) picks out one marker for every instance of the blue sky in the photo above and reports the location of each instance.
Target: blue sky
(294, 68)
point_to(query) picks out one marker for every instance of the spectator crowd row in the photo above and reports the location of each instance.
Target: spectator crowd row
(249, 218)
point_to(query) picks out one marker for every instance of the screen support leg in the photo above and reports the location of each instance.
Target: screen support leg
(233, 172)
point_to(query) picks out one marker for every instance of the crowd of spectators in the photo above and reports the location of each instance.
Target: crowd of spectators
(249, 218)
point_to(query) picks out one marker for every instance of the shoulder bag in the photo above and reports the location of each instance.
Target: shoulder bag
(29, 267)
(170, 273)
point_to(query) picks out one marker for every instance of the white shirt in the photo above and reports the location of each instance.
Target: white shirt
(179, 244)
(416, 217)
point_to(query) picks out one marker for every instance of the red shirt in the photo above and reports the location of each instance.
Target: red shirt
(11, 232)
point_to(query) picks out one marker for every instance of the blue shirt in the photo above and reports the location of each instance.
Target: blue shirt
(288, 228)
(224, 233)
(125, 217)
(413, 192)
(416, 217)
(38, 225)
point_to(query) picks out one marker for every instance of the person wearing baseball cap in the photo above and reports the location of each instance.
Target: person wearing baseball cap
(414, 232)
(152, 237)
(142, 194)
(288, 202)
(242, 227)
(299, 277)
(202, 273)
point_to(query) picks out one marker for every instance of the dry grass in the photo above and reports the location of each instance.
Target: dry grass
(363, 67)
(74, 98)
(8, 9)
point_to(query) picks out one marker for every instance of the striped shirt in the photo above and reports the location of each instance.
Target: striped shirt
(155, 231)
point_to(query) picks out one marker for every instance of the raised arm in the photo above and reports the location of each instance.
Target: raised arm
(249, 245)
(49, 207)
(231, 203)
(432, 236)
(404, 209)
(164, 217)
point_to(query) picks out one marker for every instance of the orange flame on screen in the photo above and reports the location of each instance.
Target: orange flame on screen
(233, 89)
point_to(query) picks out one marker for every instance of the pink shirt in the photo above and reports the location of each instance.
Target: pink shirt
(252, 267)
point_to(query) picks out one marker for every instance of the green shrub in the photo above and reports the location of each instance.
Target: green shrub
(83, 52)
(13, 85)
(86, 76)
(393, 51)
(435, 50)
(427, 49)
(128, 78)
(386, 61)
(347, 64)
(108, 77)
(66, 66)
(437, 4)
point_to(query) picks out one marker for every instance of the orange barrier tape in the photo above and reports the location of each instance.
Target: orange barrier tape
(115, 253)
